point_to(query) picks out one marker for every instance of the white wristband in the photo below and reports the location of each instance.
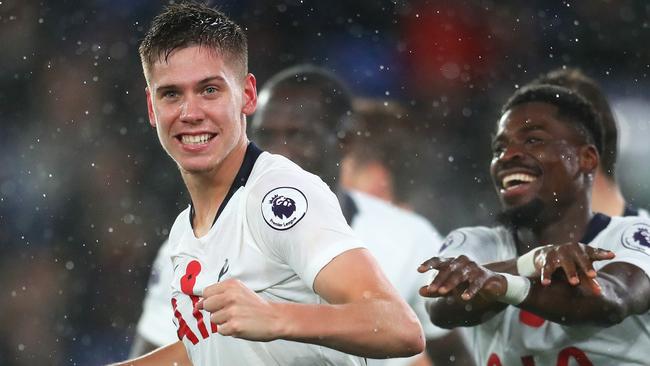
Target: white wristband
(526, 263)
(517, 289)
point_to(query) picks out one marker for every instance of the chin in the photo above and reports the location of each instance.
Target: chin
(523, 215)
(194, 167)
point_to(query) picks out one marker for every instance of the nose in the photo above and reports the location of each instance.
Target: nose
(192, 110)
(510, 152)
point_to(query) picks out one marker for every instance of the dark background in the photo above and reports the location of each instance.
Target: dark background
(87, 195)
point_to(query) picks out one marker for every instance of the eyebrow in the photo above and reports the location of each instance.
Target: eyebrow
(532, 126)
(207, 80)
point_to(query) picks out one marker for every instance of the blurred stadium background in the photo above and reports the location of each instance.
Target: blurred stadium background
(87, 195)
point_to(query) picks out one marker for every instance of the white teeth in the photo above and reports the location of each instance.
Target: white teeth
(516, 179)
(195, 139)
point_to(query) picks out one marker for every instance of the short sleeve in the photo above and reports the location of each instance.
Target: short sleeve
(298, 219)
(632, 244)
(431, 242)
(155, 324)
(479, 244)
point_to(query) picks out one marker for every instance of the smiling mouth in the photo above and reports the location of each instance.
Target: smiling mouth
(512, 181)
(196, 139)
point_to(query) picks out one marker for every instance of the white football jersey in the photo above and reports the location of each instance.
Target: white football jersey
(277, 228)
(516, 337)
(400, 241)
(155, 323)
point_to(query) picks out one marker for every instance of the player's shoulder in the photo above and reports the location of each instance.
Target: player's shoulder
(282, 193)
(624, 223)
(396, 217)
(179, 228)
(642, 212)
(272, 170)
(472, 238)
(631, 232)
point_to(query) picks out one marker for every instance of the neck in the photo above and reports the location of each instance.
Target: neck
(558, 227)
(208, 189)
(607, 197)
(372, 178)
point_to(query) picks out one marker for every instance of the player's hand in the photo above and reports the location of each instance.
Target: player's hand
(240, 312)
(462, 276)
(575, 260)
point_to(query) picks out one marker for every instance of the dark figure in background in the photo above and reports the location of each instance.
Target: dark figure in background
(302, 113)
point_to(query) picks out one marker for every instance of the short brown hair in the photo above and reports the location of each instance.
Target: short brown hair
(193, 24)
(383, 131)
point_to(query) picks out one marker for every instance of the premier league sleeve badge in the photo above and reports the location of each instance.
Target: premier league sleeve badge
(284, 207)
(637, 237)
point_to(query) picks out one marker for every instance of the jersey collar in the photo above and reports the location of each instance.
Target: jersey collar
(630, 210)
(597, 224)
(348, 206)
(252, 153)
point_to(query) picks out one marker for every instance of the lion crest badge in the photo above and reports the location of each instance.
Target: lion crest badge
(637, 237)
(284, 207)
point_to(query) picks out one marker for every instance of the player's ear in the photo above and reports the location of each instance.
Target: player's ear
(589, 158)
(152, 116)
(250, 95)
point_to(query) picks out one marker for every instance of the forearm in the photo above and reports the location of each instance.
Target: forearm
(452, 311)
(605, 309)
(509, 266)
(374, 328)
(173, 354)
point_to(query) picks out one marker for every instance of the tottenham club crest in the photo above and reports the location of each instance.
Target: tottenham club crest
(637, 237)
(283, 207)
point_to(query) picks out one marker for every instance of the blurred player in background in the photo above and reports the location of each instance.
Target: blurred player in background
(300, 111)
(380, 151)
(381, 157)
(261, 257)
(606, 194)
(529, 289)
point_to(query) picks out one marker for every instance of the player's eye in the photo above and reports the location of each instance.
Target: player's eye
(210, 90)
(169, 94)
(532, 140)
(498, 149)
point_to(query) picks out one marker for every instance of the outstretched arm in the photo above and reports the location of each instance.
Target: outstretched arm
(624, 291)
(469, 294)
(448, 309)
(364, 316)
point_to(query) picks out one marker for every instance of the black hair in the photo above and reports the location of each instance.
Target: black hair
(575, 79)
(572, 107)
(336, 97)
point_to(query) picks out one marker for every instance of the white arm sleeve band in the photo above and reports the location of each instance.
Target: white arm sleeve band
(517, 291)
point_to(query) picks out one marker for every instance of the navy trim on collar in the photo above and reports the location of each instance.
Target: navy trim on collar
(630, 210)
(252, 153)
(348, 206)
(597, 224)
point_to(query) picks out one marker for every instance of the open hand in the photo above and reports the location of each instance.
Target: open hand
(574, 259)
(462, 276)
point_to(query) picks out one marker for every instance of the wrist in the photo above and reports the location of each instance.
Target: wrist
(282, 326)
(527, 263)
(517, 289)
